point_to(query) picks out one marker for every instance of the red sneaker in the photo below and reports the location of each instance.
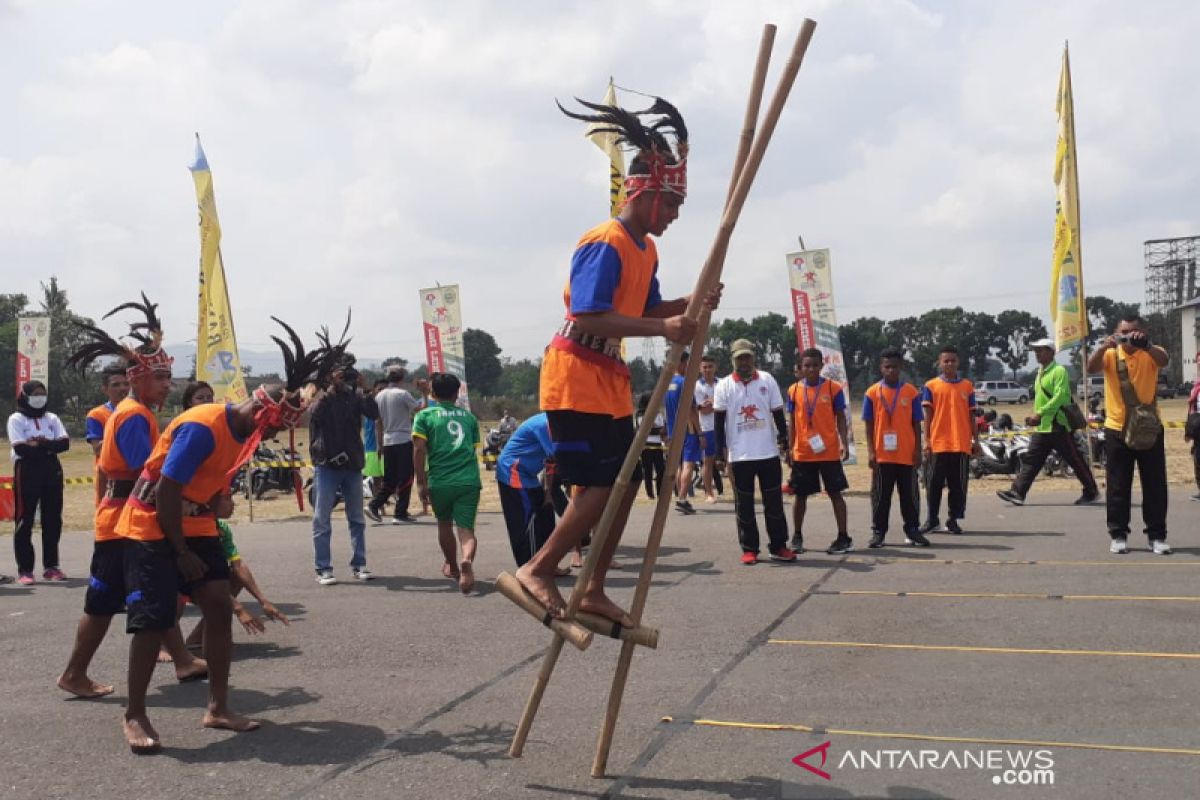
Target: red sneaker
(784, 554)
(749, 558)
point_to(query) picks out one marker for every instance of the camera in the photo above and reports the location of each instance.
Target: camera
(1123, 338)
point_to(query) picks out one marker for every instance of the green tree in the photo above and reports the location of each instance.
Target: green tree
(393, 361)
(643, 374)
(519, 379)
(482, 361)
(1015, 330)
(862, 341)
(774, 340)
(72, 392)
(1103, 315)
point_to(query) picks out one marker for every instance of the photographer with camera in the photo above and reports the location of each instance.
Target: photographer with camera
(1133, 432)
(336, 448)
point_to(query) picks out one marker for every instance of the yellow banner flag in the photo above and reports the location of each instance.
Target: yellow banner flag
(217, 360)
(1067, 307)
(616, 159)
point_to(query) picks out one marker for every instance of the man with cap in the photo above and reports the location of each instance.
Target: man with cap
(751, 431)
(1051, 395)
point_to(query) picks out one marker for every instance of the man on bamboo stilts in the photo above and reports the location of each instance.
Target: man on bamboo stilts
(613, 292)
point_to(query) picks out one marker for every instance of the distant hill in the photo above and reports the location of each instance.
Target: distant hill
(261, 362)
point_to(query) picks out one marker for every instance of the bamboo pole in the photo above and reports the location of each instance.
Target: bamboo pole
(750, 158)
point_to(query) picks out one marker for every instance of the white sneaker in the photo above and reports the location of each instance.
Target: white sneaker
(325, 577)
(1160, 547)
(1118, 547)
(363, 574)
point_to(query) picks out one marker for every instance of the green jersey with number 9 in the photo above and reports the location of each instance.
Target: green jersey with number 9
(451, 435)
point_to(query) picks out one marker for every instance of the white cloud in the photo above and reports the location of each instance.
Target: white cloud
(362, 150)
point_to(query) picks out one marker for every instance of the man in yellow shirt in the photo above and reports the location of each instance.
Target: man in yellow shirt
(1129, 351)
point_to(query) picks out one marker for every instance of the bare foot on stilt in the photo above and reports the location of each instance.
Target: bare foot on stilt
(450, 571)
(229, 721)
(84, 688)
(576, 561)
(596, 602)
(196, 671)
(466, 579)
(163, 656)
(140, 734)
(543, 590)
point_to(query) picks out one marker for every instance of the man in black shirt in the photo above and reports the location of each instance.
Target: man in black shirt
(335, 446)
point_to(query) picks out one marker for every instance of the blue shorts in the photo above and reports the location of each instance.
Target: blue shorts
(691, 448)
(710, 444)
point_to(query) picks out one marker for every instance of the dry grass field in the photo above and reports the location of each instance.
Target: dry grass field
(77, 462)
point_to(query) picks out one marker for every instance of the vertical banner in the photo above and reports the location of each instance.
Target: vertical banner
(33, 351)
(816, 320)
(217, 359)
(606, 140)
(1067, 308)
(441, 317)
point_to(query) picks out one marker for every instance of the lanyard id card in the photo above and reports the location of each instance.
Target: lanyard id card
(891, 441)
(816, 444)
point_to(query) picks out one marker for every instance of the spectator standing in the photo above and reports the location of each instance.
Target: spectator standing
(115, 386)
(372, 449)
(948, 404)
(37, 437)
(336, 448)
(892, 412)
(1191, 432)
(1133, 432)
(751, 444)
(686, 425)
(446, 440)
(817, 409)
(530, 494)
(654, 464)
(706, 386)
(1051, 395)
(396, 409)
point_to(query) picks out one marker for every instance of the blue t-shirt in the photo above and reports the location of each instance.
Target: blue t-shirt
(93, 430)
(369, 445)
(133, 441)
(191, 444)
(868, 412)
(595, 274)
(523, 456)
(671, 403)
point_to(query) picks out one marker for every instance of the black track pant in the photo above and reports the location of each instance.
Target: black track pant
(1152, 470)
(902, 478)
(1040, 445)
(397, 478)
(654, 467)
(769, 475)
(38, 483)
(949, 471)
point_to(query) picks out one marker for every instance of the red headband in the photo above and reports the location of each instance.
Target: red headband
(663, 177)
(271, 413)
(149, 363)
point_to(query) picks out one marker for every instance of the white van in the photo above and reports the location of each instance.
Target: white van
(1091, 389)
(992, 392)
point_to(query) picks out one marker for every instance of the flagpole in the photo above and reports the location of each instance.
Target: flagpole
(1083, 344)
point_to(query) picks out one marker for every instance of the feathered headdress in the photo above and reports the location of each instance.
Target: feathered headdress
(335, 355)
(647, 132)
(145, 358)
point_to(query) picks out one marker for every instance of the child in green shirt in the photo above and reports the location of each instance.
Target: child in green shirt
(446, 438)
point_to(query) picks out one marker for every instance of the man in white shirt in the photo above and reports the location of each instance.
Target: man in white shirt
(750, 430)
(396, 409)
(706, 387)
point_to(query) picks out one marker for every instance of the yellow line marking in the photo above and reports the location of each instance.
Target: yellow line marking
(923, 737)
(967, 649)
(1015, 595)
(1176, 562)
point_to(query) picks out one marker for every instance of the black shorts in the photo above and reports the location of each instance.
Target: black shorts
(808, 476)
(105, 594)
(589, 448)
(154, 584)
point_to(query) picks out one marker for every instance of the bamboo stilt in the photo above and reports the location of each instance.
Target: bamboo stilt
(751, 149)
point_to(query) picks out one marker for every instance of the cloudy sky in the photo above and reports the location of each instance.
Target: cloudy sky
(363, 149)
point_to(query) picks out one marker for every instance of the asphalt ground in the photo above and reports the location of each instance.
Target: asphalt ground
(401, 687)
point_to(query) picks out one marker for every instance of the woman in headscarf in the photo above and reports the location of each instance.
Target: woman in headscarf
(37, 437)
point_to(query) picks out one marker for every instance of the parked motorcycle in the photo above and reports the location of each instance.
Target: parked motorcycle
(493, 443)
(273, 469)
(999, 455)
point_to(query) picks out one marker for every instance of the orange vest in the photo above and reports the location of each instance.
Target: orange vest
(898, 421)
(114, 466)
(823, 420)
(950, 425)
(572, 381)
(140, 520)
(101, 414)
